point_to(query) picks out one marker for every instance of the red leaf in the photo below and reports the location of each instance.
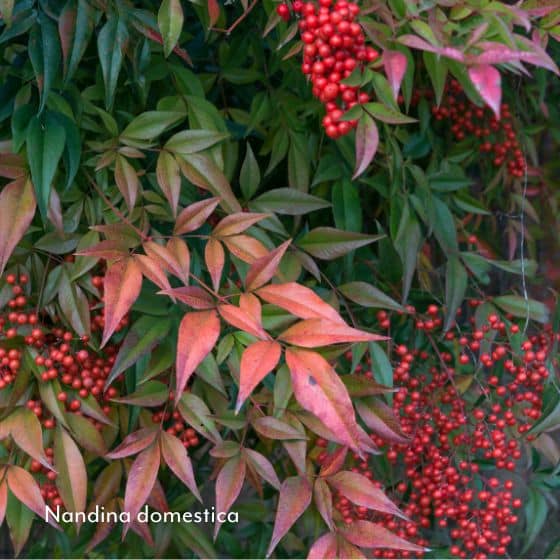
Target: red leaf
(242, 320)
(322, 332)
(24, 487)
(334, 462)
(371, 535)
(237, 223)
(122, 285)
(488, 82)
(193, 296)
(251, 305)
(3, 498)
(198, 333)
(152, 270)
(318, 388)
(195, 215)
(182, 258)
(141, 479)
(133, 443)
(299, 301)
(361, 491)
(325, 546)
(228, 486)
(246, 248)
(263, 269)
(274, 428)
(295, 497)
(257, 361)
(214, 257)
(367, 140)
(213, 12)
(263, 467)
(17, 208)
(176, 457)
(395, 64)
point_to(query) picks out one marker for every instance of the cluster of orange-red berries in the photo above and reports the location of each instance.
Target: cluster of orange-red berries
(174, 424)
(334, 47)
(497, 137)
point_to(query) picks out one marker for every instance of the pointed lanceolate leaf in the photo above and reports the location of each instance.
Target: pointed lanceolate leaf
(322, 496)
(318, 389)
(122, 285)
(74, 305)
(367, 140)
(176, 457)
(366, 534)
(263, 269)
(150, 124)
(381, 419)
(127, 181)
(75, 26)
(329, 243)
(71, 480)
(228, 486)
(237, 223)
(257, 361)
(133, 443)
(193, 296)
(150, 393)
(295, 497)
(362, 492)
(394, 63)
(198, 333)
(311, 333)
(263, 467)
(214, 256)
(243, 320)
(169, 178)
(488, 82)
(170, 23)
(19, 519)
(110, 45)
(324, 547)
(274, 428)
(195, 216)
(141, 479)
(25, 429)
(3, 500)
(17, 208)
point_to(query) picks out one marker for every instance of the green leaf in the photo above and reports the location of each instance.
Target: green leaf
(80, 29)
(250, 174)
(536, 513)
(449, 181)
(444, 226)
(329, 243)
(437, 70)
(407, 244)
(73, 147)
(151, 393)
(387, 114)
(367, 295)
(74, 305)
(44, 53)
(170, 22)
(380, 365)
(19, 518)
(141, 339)
(525, 308)
(288, 201)
(151, 124)
(347, 206)
(455, 289)
(193, 141)
(298, 162)
(45, 143)
(110, 45)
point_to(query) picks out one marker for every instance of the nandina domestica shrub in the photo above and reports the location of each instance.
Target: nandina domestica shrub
(279, 279)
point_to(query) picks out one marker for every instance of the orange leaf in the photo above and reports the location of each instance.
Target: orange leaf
(198, 333)
(311, 333)
(24, 487)
(152, 270)
(214, 257)
(246, 248)
(141, 479)
(324, 547)
(263, 269)
(371, 535)
(257, 361)
(361, 491)
(195, 215)
(133, 443)
(169, 178)
(295, 497)
(237, 223)
(25, 429)
(17, 208)
(191, 295)
(176, 457)
(182, 263)
(299, 301)
(242, 320)
(228, 486)
(122, 285)
(252, 306)
(318, 388)
(127, 180)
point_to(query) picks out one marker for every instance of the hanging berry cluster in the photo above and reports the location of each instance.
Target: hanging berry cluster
(334, 46)
(496, 137)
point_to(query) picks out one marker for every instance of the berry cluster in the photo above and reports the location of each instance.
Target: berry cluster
(174, 424)
(334, 47)
(496, 137)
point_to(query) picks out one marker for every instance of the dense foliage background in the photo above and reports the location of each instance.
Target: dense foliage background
(296, 260)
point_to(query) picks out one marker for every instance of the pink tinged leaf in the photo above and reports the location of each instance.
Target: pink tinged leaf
(274, 428)
(264, 269)
(228, 486)
(381, 419)
(299, 301)
(3, 499)
(214, 256)
(322, 496)
(295, 497)
(395, 64)
(142, 529)
(127, 181)
(17, 208)
(198, 333)
(348, 551)
(122, 285)
(157, 499)
(153, 271)
(361, 491)
(324, 547)
(371, 535)
(25, 429)
(141, 479)
(237, 223)
(311, 333)
(195, 216)
(251, 305)
(488, 82)
(240, 319)
(133, 443)
(176, 457)
(182, 265)
(263, 467)
(334, 462)
(24, 487)
(246, 248)
(107, 249)
(195, 297)
(213, 12)
(318, 389)
(12, 166)
(54, 212)
(169, 179)
(257, 361)
(367, 140)
(103, 530)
